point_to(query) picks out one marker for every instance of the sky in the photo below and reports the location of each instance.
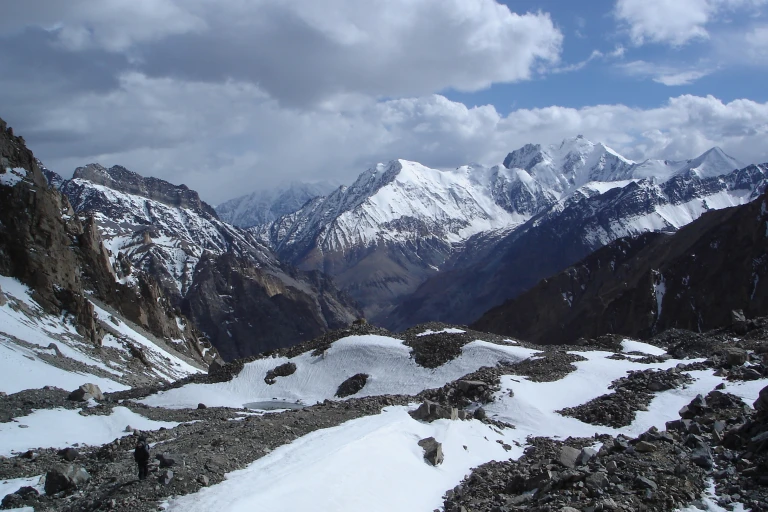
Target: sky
(231, 96)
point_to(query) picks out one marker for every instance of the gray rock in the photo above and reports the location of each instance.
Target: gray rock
(569, 456)
(470, 385)
(68, 454)
(480, 413)
(85, 393)
(431, 411)
(61, 478)
(645, 447)
(735, 356)
(761, 404)
(739, 321)
(597, 480)
(202, 406)
(166, 460)
(586, 455)
(433, 451)
(165, 477)
(645, 483)
(203, 480)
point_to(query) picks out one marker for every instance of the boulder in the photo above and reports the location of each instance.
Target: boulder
(202, 406)
(431, 411)
(352, 385)
(586, 455)
(739, 322)
(17, 499)
(85, 393)
(761, 404)
(480, 414)
(645, 447)
(569, 456)
(471, 385)
(203, 480)
(62, 478)
(166, 460)
(735, 356)
(598, 480)
(165, 477)
(283, 370)
(216, 368)
(433, 451)
(68, 454)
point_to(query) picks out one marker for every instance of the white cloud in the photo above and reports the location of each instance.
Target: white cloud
(305, 51)
(674, 22)
(239, 139)
(663, 74)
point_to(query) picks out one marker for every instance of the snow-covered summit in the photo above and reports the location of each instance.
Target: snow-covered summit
(264, 206)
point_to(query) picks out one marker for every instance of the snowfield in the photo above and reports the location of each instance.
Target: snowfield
(387, 361)
(26, 332)
(70, 428)
(375, 464)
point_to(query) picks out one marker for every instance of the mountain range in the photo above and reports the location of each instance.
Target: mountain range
(413, 244)
(224, 279)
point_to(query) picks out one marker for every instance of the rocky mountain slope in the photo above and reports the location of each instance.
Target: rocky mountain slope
(61, 304)
(691, 280)
(448, 417)
(402, 224)
(224, 279)
(266, 206)
(492, 269)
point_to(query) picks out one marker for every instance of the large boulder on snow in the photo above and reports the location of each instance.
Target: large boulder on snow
(85, 393)
(431, 411)
(61, 478)
(761, 404)
(433, 451)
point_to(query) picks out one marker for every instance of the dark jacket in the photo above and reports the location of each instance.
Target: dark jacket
(141, 453)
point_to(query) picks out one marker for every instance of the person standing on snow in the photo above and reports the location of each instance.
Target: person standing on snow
(141, 455)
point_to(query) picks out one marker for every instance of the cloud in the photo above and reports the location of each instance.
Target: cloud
(306, 51)
(674, 22)
(617, 53)
(664, 74)
(240, 139)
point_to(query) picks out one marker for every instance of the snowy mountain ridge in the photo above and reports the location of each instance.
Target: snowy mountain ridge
(401, 223)
(402, 200)
(221, 276)
(265, 206)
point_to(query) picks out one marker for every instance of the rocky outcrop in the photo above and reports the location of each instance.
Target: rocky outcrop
(637, 287)
(188, 258)
(247, 310)
(120, 178)
(492, 268)
(62, 257)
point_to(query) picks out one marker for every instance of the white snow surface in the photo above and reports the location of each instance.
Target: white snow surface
(374, 463)
(629, 345)
(70, 428)
(12, 176)
(447, 330)
(22, 366)
(387, 361)
(14, 484)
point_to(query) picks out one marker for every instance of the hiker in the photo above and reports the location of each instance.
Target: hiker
(141, 455)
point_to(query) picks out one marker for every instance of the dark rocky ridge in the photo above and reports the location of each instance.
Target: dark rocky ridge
(637, 287)
(120, 178)
(491, 269)
(230, 285)
(61, 257)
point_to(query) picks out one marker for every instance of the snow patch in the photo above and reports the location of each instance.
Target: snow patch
(628, 345)
(71, 428)
(387, 361)
(448, 330)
